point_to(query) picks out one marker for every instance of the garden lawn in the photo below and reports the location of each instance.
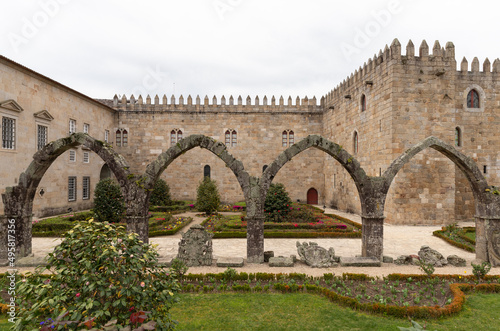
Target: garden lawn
(273, 311)
(464, 238)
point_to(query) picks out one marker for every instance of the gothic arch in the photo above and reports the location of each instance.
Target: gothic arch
(467, 165)
(345, 159)
(18, 200)
(156, 168)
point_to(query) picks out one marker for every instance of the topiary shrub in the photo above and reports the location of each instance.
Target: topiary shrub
(278, 204)
(207, 198)
(161, 194)
(101, 274)
(109, 205)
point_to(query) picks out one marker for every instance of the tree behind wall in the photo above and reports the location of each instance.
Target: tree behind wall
(108, 201)
(161, 194)
(208, 198)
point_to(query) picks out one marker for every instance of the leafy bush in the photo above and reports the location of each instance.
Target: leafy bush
(161, 194)
(109, 205)
(278, 203)
(101, 273)
(207, 198)
(480, 270)
(428, 268)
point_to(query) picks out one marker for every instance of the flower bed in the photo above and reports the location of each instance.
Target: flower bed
(458, 237)
(415, 296)
(315, 224)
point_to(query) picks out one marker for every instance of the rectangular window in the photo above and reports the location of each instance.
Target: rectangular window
(71, 188)
(86, 157)
(86, 188)
(72, 126)
(106, 136)
(8, 133)
(72, 156)
(41, 136)
(86, 128)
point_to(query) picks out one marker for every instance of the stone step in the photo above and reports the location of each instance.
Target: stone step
(233, 262)
(360, 262)
(281, 261)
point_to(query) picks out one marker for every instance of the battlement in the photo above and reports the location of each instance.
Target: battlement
(229, 105)
(441, 57)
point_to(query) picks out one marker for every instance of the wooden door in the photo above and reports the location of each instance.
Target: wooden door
(312, 197)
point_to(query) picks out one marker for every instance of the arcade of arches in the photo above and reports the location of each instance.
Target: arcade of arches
(136, 190)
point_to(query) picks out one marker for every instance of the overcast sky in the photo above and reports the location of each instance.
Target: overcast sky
(230, 47)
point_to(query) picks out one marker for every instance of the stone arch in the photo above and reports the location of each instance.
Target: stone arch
(156, 168)
(346, 160)
(18, 200)
(467, 165)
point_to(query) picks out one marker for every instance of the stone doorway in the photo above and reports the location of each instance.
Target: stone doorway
(312, 196)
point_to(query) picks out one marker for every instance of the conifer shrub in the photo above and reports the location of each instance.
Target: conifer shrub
(101, 275)
(278, 204)
(161, 194)
(109, 205)
(208, 198)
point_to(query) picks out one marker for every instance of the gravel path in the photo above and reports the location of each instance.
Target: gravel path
(398, 240)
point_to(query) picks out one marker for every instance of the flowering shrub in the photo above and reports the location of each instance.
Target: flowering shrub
(101, 273)
(108, 201)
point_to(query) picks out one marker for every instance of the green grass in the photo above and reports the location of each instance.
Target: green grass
(4, 323)
(235, 311)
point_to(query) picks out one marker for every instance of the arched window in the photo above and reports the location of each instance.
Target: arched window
(473, 99)
(458, 137)
(287, 138)
(231, 138)
(206, 171)
(363, 102)
(118, 137)
(124, 138)
(355, 142)
(175, 136)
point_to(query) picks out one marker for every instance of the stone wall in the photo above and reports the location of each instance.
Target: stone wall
(259, 142)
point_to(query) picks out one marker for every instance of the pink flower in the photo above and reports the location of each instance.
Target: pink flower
(295, 225)
(131, 308)
(143, 284)
(110, 285)
(78, 295)
(87, 283)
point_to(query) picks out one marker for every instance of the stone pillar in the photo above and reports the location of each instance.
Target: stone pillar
(255, 239)
(140, 225)
(18, 230)
(372, 241)
(481, 239)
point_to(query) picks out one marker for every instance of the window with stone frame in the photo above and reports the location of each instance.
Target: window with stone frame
(86, 128)
(71, 188)
(72, 155)
(355, 142)
(42, 136)
(363, 102)
(231, 138)
(206, 171)
(86, 157)
(175, 136)
(473, 99)
(86, 188)
(106, 136)
(124, 138)
(8, 133)
(118, 138)
(72, 126)
(287, 138)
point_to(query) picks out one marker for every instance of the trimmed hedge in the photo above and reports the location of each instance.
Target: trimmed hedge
(346, 220)
(439, 234)
(297, 235)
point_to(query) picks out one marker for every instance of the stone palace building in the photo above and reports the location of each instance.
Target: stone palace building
(389, 104)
